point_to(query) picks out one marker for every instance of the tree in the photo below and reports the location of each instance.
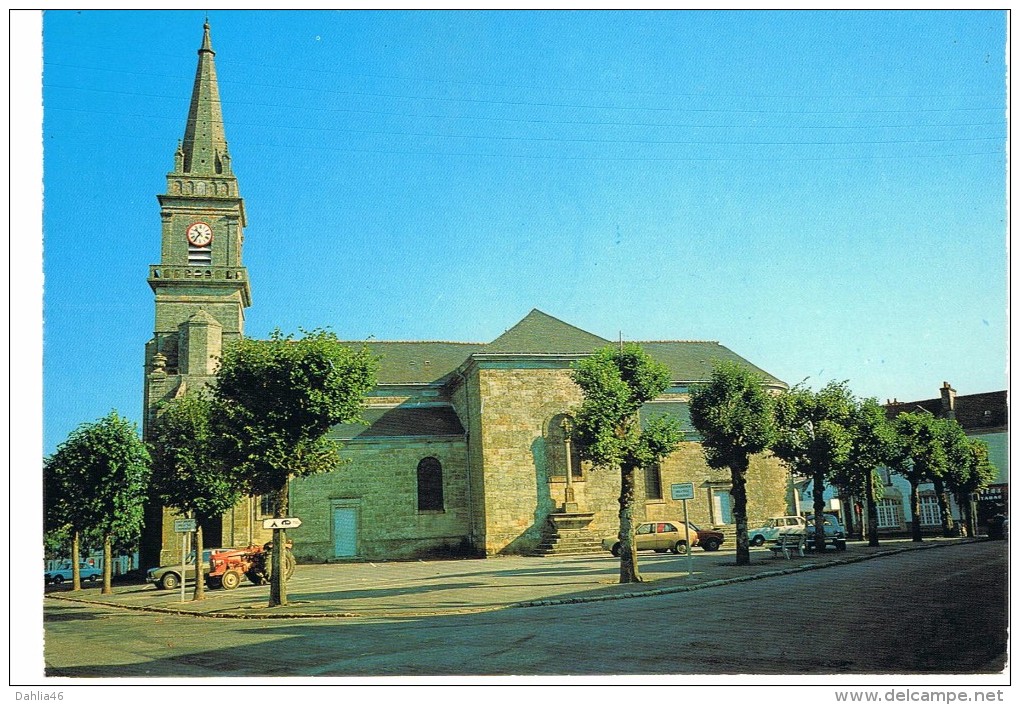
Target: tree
(186, 474)
(974, 474)
(97, 480)
(872, 445)
(734, 414)
(273, 403)
(615, 383)
(814, 439)
(957, 450)
(921, 456)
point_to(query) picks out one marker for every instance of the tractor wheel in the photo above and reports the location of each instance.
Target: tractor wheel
(231, 579)
(255, 577)
(289, 565)
(169, 581)
(213, 583)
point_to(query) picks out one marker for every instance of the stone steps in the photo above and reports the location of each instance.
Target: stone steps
(569, 544)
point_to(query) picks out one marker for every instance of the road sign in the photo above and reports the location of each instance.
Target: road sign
(682, 490)
(281, 523)
(183, 526)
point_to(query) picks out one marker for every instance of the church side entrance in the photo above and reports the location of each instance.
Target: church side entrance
(345, 528)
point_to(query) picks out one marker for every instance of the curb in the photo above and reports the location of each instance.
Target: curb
(726, 581)
(512, 605)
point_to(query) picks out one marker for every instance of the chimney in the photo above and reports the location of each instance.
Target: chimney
(948, 401)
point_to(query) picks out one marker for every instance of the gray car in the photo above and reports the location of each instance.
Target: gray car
(168, 577)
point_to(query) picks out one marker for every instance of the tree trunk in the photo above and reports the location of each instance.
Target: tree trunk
(972, 513)
(107, 565)
(818, 494)
(628, 548)
(915, 511)
(199, 576)
(869, 492)
(75, 560)
(946, 513)
(277, 580)
(738, 491)
(848, 514)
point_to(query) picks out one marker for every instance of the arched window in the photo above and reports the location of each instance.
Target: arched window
(430, 485)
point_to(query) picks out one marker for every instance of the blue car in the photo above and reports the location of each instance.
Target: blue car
(66, 572)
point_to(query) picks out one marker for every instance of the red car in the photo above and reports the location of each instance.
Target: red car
(708, 539)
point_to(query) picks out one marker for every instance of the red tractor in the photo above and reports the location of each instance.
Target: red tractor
(226, 568)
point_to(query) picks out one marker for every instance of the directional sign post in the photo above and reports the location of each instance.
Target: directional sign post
(684, 491)
(281, 523)
(184, 527)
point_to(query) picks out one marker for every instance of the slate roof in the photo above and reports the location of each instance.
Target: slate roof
(542, 334)
(402, 421)
(654, 409)
(422, 362)
(975, 412)
(692, 360)
(433, 362)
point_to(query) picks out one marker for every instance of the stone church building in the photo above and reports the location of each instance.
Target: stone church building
(465, 450)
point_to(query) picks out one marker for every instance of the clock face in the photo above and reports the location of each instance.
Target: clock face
(199, 234)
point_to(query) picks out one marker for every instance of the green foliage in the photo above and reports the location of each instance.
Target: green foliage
(872, 445)
(921, 454)
(815, 438)
(615, 384)
(734, 415)
(97, 480)
(274, 401)
(814, 428)
(186, 474)
(982, 472)
(970, 467)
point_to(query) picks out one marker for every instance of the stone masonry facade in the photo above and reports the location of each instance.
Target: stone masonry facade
(463, 450)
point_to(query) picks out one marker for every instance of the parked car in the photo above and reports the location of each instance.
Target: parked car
(168, 577)
(834, 534)
(708, 539)
(659, 536)
(65, 571)
(771, 529)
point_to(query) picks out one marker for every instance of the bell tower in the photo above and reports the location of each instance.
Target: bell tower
(200, 284)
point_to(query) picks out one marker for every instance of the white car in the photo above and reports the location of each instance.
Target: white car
(65, 571)
(773, 527)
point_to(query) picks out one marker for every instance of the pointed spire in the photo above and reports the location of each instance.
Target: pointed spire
(204, 140)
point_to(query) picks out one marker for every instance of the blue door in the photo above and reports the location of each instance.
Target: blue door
(723, 512)
(345, 532)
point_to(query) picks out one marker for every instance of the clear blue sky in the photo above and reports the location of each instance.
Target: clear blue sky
(823, 193)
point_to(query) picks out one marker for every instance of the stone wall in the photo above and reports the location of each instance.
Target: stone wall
(380, 481)
(518, 405)
(767, 488)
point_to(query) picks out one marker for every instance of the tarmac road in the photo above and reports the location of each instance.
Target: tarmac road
(922, 612)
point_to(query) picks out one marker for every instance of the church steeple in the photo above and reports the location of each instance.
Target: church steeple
(205, 143)
(200, 283)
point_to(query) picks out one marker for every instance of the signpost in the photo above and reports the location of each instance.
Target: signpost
(281, 523)
(185, 527)
(685, 491)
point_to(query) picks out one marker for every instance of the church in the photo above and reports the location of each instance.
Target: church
(466, 449)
